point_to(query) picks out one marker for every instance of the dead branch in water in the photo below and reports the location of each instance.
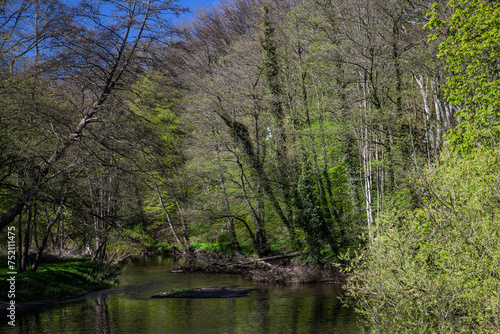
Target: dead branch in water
(264, 259)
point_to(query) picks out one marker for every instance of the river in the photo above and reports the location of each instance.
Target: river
(128, 307)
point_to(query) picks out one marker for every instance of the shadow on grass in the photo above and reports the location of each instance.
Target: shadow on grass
(57, 279)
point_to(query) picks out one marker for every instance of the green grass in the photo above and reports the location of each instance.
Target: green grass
(181, 290)
(57, 279)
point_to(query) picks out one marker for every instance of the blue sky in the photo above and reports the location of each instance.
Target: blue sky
(192, 4)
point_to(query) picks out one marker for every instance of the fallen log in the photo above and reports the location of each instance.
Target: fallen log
(264, 259)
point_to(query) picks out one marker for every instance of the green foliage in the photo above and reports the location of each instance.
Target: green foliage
(155, 105)
(181, 290)
(435, 270)
(308, 78)
(472, 53)
(163, 245)
(313, 217)
(270, 63)
(125, 242)
(213, 246)
(402, 199)
(221, 244)
(310, 216)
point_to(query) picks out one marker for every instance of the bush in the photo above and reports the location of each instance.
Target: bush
(437, 268)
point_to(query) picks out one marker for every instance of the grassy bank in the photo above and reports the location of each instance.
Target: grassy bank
(58, 279)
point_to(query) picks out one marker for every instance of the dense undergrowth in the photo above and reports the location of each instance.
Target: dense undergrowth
(436, 269)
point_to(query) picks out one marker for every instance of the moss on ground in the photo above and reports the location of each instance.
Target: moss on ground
(57, 279)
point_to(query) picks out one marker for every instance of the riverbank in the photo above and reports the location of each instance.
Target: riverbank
(281, 269)
(61, 280)
(54, 282)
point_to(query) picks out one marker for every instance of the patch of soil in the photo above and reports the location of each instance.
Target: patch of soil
(208, 292)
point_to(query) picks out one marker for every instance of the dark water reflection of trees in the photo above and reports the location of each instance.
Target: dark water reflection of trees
(128, 308)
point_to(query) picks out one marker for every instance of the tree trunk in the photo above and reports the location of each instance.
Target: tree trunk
(169, 220)
(45, 238)
(230, 220)
(26, 241)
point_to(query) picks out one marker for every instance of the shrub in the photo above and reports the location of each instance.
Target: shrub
(437, 268)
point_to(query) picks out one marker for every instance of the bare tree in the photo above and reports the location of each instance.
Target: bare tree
(97, 52)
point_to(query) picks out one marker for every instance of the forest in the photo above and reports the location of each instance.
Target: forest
(365, 133)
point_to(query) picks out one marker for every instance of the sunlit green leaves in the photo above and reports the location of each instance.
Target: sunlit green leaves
(436, 269)
(155, 105)
(472, 51)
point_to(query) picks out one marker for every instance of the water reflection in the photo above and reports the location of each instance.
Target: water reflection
(128, 308)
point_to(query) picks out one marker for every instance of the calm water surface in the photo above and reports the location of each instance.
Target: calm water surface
(128, 308)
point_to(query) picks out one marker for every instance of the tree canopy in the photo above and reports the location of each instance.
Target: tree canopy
(471, 51)
(263, 128)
